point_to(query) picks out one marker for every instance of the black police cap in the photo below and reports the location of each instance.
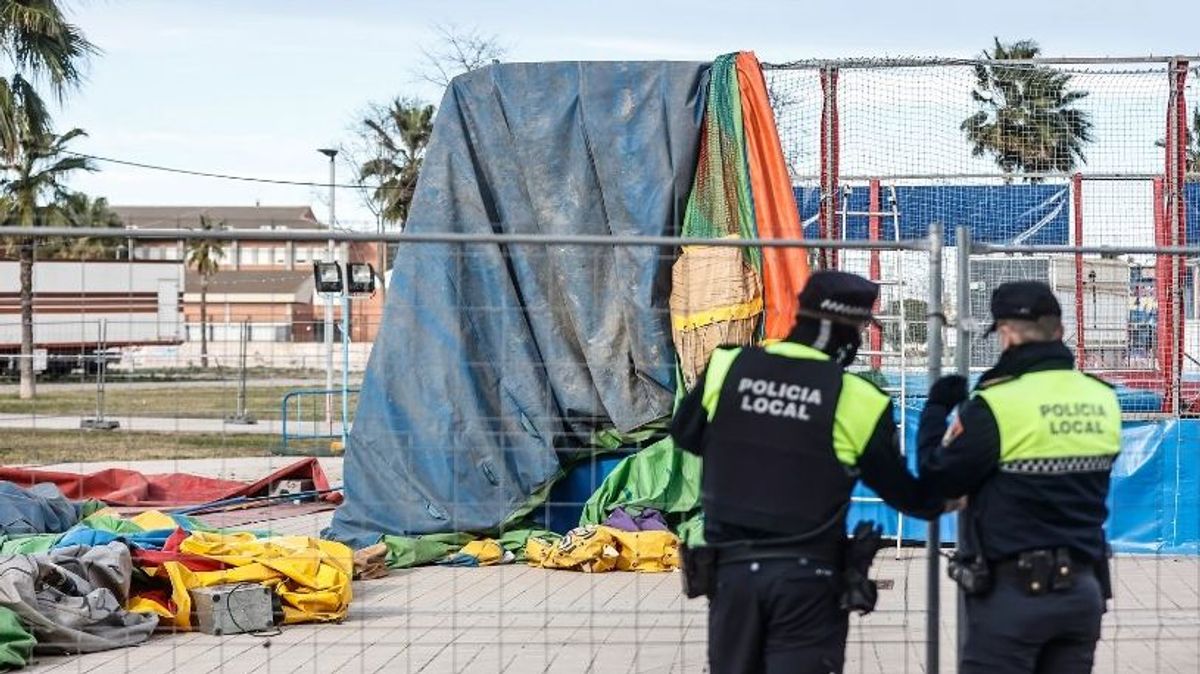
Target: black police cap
(1023, 300)
(839, 296)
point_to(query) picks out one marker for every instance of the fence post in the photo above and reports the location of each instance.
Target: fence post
(1176, 150)
(827, 217)
(873, 222)
(935, 320)
(962, 364)
(1077, 205)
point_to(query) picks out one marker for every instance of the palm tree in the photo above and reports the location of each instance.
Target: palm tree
(80, 210)
(1027, 120)
(41, 47)
(34, 182)
(1192, 150)
(401, 133)
(204, 255)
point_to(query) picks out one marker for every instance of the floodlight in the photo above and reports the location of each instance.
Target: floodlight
(328, 276)
(362, 278)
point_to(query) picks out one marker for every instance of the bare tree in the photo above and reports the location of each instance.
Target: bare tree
(361, 147)
(457, 50)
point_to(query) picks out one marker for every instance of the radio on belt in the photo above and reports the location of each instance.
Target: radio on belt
(232, 609)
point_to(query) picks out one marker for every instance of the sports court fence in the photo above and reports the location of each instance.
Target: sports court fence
(1062, 179)
(1156, 518)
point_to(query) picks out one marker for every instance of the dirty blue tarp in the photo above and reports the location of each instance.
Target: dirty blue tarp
(489, 357)
(1154, 500)
(1018, 213)
(41, 509)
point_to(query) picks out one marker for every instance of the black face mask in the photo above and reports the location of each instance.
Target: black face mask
(840, 341)
(847, 348)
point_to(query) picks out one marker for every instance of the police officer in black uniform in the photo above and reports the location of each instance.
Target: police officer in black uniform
(1032, 449)
(785, 433)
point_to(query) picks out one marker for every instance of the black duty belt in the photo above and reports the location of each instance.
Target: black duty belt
(756, 553)
(1042, 571)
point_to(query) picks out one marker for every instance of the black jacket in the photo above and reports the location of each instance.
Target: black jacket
(880, 466)
(1011, 512)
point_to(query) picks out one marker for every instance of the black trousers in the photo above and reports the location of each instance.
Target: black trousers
(776, 616)
(1010, 632)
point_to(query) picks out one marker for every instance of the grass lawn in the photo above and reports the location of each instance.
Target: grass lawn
(47, 446)
(206, 402)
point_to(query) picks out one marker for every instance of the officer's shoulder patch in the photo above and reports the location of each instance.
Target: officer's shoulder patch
(1102, 381)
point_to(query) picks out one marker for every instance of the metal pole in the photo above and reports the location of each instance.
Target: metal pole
(241, 415)
(331, 256)
(934, 323)
(99, 423)
(101, 337)
(1077, 201)
(241, 404)
(346, 363)
(962, 364)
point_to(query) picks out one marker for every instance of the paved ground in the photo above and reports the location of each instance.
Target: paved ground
(519, 619)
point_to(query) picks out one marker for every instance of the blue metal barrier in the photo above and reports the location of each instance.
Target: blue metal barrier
(299, 422)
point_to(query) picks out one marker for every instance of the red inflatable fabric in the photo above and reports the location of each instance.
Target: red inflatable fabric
(785, 270)
(121, 487)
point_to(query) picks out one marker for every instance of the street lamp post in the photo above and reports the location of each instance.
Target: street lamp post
(358, 280)
(330, 257)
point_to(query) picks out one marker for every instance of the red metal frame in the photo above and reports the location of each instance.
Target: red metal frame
(827, 216)
(1181, 141)
(876, 334)
(1171, 229)
(1077, 194)
(1164, 305)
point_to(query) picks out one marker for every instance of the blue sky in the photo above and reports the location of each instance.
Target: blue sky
(252, 87)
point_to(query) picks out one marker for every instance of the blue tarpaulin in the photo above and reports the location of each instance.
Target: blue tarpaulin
(492, 358)
(1154, 502)
(1017, 213)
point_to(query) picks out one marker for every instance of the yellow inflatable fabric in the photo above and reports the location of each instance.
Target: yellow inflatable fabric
(596, 549)
(311, 576)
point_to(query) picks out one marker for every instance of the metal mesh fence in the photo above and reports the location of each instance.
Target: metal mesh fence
(878, 152)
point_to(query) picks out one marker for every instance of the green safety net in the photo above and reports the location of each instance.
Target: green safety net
(721, 203)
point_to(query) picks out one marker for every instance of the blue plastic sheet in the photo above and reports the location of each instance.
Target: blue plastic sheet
(1017, 213)
(41, 509)
(85, 535)
(1154, 502)
(491, 358)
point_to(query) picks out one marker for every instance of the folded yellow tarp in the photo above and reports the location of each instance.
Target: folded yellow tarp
(311, 576)
(596, 549)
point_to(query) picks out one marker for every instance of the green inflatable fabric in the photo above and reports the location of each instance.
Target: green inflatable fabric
(660, 476)
(16, 643)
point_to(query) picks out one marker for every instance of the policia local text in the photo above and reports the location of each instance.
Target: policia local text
(777, 399)
(1073, 418)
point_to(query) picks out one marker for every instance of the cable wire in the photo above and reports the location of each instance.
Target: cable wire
(226, 176)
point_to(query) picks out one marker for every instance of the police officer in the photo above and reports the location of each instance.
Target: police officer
(1032, 450)
(785, 433)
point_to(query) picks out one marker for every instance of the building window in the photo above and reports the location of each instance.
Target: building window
(280, 255)
(302, 254)
(264, 256)
(245, 255)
